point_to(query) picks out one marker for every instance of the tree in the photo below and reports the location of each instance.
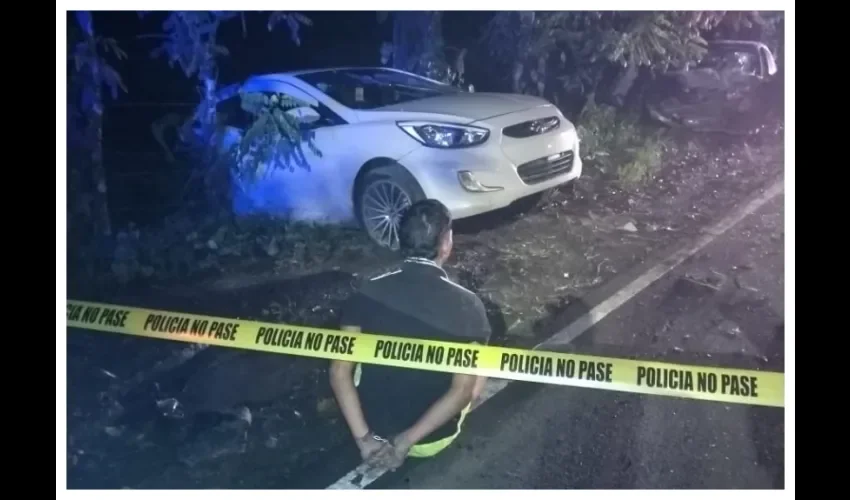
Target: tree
(190, 41)
(91, 73)
(551, 53)
(417, 46)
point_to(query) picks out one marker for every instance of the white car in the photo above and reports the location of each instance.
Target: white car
(387, 138)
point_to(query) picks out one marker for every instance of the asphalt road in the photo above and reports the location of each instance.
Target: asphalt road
(724, 307)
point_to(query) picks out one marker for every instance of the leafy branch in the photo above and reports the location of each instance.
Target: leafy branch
(275, 138)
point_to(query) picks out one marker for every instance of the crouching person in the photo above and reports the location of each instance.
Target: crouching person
(392, 412)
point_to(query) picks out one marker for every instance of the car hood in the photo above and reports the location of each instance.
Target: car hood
(474, 106)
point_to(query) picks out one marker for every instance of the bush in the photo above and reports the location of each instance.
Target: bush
(619, 146)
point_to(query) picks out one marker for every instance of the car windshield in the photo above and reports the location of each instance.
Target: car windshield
(374, 88)
(722, 58)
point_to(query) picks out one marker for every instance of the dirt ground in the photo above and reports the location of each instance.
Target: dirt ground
(526, 267)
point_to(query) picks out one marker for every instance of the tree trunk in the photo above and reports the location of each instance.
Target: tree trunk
(206, 75)
(101, 199)
(401, 46)
(102, 222)
(212, 177)
(416, 35)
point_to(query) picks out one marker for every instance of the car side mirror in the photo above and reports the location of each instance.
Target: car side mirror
(304, 114)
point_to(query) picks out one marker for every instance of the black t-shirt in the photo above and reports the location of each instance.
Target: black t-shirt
(417, 301)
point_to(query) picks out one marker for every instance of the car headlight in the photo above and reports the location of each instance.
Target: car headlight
(445, 136)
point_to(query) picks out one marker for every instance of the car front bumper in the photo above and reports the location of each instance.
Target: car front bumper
(438, 174)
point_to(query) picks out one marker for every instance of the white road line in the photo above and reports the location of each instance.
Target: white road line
(363, 476)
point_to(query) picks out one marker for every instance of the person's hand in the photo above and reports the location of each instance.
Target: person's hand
(400, 448)
(393, 455)
(371, 446)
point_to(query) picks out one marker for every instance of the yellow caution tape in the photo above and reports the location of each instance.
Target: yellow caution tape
(642, 377)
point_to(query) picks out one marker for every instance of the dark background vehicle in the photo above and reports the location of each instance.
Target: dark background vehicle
(729, 90)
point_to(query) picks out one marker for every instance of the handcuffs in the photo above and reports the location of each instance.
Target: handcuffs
(370, 434)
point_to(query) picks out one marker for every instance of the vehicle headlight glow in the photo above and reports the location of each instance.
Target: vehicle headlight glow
(444, 135)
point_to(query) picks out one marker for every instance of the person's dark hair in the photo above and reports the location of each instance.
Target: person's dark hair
(422, 228)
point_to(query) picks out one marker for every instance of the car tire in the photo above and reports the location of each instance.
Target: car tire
(390, 182)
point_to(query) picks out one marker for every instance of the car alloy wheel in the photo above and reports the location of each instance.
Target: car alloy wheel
(383, 202)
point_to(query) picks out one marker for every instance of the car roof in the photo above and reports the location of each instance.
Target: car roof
(289, 76)
(286, 75)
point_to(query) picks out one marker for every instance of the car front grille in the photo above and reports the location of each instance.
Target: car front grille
(532, 127)
(543, 169)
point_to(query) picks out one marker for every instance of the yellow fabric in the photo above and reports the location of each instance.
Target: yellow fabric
(425, 450)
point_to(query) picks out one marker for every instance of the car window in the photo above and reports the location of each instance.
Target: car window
(230, 113)
(725, 59)
(374, 87)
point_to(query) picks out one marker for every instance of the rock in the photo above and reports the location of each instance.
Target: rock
(170, 407)
(122, 272)
(326, 407)
(729, 328)
(220, 234)
(630, 227)
(244, 414)
(273, 248)
(113, 431)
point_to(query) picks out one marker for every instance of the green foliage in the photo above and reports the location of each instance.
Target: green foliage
(90, 54)
(190, 36)
(575, 48)
(521, 41)
(645, 162)
(293, 20)
(90, 58)
(568, 54)
(418, 46)
(190, 39)
(91, 72)
(618, 146)
(88, 75)
(190, 42)
(274, 140)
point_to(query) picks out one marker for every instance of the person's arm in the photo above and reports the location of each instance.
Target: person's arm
(484, 331)
(464, 388)
(341, 374)
(479, 386)
(342, 384)
(444, 409)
